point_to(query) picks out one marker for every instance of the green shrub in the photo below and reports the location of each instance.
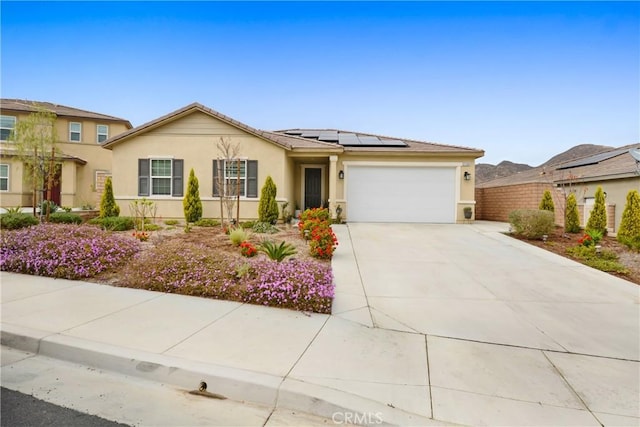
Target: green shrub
(532, 224)
(152, 227)
(247, 224)
(65, 218)
(264, 228)
(207, 222)
(606, 260)
(108, 206)
(238, 235)
(13, 221)
(546, 204)
(171, 222)
(14, 210)
(629, 231)
(268, 207)
(114, 223)
(277, 252)
(192, 204)
(43, 207)
(571, 215)
(598, 217)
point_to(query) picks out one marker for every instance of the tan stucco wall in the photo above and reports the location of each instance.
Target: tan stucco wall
(194, 139)
(616, 189)
(466, 194)
(78, 180)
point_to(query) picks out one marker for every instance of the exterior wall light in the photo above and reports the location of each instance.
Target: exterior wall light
(467, 176)
(341, 175)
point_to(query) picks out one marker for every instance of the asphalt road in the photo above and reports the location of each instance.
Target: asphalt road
(22, 410)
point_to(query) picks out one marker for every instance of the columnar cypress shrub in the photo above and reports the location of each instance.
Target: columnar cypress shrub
(191, 203)
(268, 207)
(629, 231)
(546, 204)
(108, 206)
(571, 215)
(598, 217)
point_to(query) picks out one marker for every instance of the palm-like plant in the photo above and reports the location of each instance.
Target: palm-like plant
(277, 252)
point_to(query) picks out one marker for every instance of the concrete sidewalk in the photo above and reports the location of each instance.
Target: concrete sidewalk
(431, 325)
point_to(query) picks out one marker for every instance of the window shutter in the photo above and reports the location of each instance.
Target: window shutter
(252, 178)
(143, 177)
(216, 193)
(177, 186)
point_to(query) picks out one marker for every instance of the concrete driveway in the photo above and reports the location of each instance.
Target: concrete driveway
(514, 334)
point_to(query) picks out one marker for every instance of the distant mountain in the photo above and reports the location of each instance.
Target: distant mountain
(486, 172)
(576, 152)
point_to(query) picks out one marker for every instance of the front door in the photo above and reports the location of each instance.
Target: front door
(312, 188)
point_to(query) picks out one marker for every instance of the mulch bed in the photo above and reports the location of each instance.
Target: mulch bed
(558, 242)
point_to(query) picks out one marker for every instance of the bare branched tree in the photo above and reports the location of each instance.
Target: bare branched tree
(228, 165)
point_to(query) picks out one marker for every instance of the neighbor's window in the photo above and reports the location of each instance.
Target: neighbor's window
(161, 177)
(103, 133)
(7, 124)
(4, 177)
(75, 131)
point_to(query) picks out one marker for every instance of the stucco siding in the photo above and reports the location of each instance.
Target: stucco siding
(198, 148)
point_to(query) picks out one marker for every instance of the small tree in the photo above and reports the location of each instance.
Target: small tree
(571, 215)
(34, 140)
(629, 231)
(598, 217)
(108, 206)
(268, 207)
(192, 203)
(546, 204)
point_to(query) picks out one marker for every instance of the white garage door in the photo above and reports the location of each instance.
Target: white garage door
(401, 194)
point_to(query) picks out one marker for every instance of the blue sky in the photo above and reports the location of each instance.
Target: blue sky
(521, 80)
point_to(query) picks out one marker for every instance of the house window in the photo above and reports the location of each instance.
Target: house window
(160, 177)
(103, 133)
(7, 124)
(237, 177)
(4, 177)
(75, 131)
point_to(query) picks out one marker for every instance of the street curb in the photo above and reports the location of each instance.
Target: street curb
(236, 384)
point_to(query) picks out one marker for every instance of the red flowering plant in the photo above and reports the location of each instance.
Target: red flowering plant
(323, 242)
(312, 218)
(586, 240)
(247, 249)
(143, 236)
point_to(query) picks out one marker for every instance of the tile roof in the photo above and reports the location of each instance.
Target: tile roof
(613, 164)
(292, 139)
(369, 142)
(286, 141)
(60, 110)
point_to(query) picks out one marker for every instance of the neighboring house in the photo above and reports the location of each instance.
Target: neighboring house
(616, 171)
(371, 177)
(84, 164)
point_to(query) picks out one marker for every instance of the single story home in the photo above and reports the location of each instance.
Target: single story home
(83, 164)
(617, 171)
(368, 177)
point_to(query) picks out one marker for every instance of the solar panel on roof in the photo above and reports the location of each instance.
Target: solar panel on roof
(310, 134)
(328, 135)
(393, 143)
(369, 140)
(592, 160)
(293, 132)
(348, 139)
